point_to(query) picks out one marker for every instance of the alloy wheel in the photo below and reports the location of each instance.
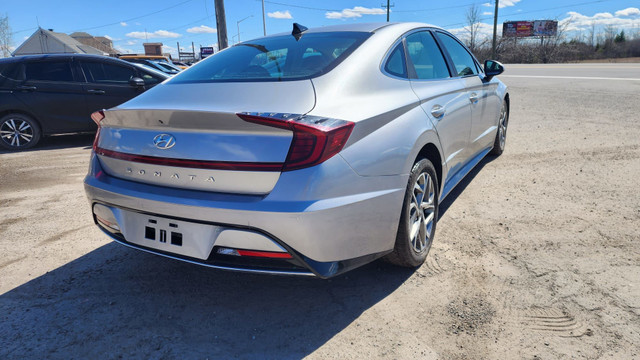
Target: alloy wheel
(502, 125)
(16, 133)
(421, 212)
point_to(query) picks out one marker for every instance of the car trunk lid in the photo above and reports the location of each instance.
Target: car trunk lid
(189, 136)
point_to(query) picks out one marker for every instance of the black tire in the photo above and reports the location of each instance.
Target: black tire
(18, 132)
(501, 134)
(406, 253)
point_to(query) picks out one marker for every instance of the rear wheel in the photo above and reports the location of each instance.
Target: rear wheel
(418, 219)
(501, 135)
(18, 132)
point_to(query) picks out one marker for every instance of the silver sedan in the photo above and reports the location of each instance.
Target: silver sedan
(306, 153)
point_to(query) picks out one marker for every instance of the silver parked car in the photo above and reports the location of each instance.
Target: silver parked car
(308, 153)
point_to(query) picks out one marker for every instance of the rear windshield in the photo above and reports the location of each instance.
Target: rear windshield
(275, 58)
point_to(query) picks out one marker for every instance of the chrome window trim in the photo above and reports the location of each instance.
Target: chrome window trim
(400, 40)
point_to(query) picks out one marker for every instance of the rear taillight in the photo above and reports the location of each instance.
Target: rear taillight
(97, 117)
(315, 138)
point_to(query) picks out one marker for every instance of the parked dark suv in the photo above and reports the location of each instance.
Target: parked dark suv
(56, 93)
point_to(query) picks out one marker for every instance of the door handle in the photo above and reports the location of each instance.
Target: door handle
(437, 111)
(473, 98)
(27, 88)
(96, 91)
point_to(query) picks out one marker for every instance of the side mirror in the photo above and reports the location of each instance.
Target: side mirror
(136, 82)
(492, 68)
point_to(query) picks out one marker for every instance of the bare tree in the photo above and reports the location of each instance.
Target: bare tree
(5, 36)
(592, 34)
(473, 25)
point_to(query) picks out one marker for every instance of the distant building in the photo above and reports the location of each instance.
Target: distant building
(99, 42)
(152, 48)
(49, 42)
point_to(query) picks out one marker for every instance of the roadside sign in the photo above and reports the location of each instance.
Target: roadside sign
(206, 51)
(530, 28)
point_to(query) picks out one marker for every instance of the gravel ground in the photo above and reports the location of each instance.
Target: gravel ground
(537, 255)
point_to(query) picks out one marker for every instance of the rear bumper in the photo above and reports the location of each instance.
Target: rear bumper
(327, 217)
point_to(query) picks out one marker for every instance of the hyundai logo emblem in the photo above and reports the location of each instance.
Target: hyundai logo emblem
(164, 141)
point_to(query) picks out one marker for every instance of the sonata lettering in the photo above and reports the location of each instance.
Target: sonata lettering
(175, 176)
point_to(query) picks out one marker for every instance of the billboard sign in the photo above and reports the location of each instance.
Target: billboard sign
(545, 28)
(524, 28)
(529, 28)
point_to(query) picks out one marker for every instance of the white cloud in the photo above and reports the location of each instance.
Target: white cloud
(152, 35)
(122, 23)
(202, 29)
(484, 31)
(280, 15)
(123, 50)
(503, 3)
(507, 3)
(131, 42)
(628, 12)
(171, 50)
(487, 13)
(356, 12)
(579, 22)
(137, 23)
(108, 37)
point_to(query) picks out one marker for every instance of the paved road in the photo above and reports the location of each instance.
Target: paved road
(613, 72)
(536, 255)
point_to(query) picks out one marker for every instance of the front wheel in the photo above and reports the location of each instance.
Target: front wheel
(419, 216)
(501, 134)
(18, 132)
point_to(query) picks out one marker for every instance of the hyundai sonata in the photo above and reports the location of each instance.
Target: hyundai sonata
(307, 153)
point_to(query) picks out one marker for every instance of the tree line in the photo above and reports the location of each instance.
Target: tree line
(594, 44)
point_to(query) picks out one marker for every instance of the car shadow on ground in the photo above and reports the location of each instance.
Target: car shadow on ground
(117, 302)
(59, 142)
(462, 185)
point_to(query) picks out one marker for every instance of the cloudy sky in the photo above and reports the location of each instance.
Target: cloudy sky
(130, 23)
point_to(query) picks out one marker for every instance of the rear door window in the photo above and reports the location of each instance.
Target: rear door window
(59, 70)
(462, 59)
(426, 56)
(276, 58)
(107, 73)
(11, 72)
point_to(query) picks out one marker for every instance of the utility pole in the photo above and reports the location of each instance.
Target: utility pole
(495, 31)
(238, 24)
(221, 25)
(388, 6)
(264, 20)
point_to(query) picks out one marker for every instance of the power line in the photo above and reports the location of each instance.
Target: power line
(299, 6)
(533, 11)
(137, 17)
(440, 8)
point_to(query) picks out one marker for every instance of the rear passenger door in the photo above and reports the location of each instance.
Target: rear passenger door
(108, 84)
(478, 92)
(443, 97)
(53, 92)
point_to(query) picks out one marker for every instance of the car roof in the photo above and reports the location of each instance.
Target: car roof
(364, 27)
(60, 56)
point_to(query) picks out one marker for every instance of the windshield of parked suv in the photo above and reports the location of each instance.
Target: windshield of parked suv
(275, 58)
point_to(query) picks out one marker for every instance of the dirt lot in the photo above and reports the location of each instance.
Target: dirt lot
(537, 255)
